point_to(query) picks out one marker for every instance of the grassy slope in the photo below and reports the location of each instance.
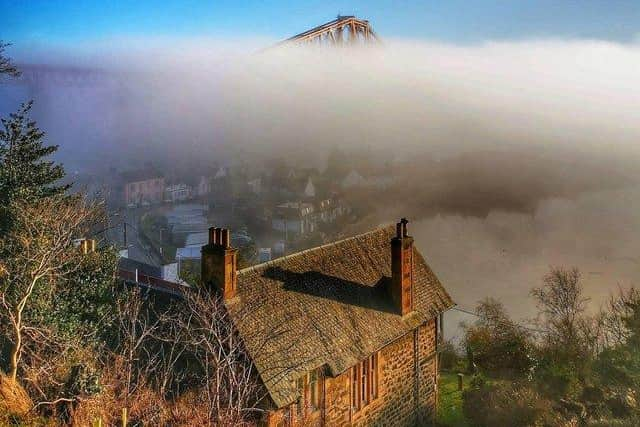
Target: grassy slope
(450, 400)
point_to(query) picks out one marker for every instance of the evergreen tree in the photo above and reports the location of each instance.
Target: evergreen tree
(25, 174)
(6, 67)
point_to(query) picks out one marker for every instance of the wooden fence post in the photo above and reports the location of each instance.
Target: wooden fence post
(124, 417)
(460, 377)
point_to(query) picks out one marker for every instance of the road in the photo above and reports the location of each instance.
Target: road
(138, 249)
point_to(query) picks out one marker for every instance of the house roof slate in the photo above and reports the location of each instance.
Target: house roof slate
(326, 307)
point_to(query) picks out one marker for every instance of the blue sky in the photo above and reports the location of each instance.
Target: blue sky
(456, 21)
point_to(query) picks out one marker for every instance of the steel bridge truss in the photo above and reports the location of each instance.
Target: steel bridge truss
(343, 30)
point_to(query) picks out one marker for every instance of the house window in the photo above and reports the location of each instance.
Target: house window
(314, 390)
(310, 388)
(364, 382)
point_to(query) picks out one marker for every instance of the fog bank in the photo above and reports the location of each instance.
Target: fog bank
(412, 97)
(512, 156)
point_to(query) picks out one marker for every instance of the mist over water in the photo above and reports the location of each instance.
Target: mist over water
(506, 254)
(513, 156)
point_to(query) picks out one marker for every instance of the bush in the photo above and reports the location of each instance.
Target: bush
(496, 344)
(557, 380)
(448, 356)
(508, 405)
(14, 401)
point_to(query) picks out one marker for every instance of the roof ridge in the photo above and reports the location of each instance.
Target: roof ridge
(305, 251)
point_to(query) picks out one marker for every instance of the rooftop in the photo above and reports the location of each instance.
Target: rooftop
(326, 307)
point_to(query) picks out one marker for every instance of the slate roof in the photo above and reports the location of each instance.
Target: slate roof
(129, 264)
(326, 307)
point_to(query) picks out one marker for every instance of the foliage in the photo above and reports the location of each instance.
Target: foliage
(495, 343)
(84, 308)
(566, 344)
(507, 404)
(25, 175)
(561, 307)
(448, 357)
(585, 368)
(619, 365)
(6, 67)
(56, 301)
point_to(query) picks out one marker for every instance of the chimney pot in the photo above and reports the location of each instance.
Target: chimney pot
(225, 241)
(212, 235)
(87, 246)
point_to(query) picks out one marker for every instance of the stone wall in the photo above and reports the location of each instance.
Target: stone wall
(396, 404)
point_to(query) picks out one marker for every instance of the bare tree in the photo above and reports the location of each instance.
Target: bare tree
(36, 256)
(230, 389)
(619, 308)
(561, 306)
(136, 328)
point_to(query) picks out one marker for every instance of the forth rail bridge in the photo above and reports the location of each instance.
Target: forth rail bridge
(342, 30)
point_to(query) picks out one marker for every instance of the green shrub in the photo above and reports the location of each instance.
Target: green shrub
(496, 344)
(448, 356)
(505, 404)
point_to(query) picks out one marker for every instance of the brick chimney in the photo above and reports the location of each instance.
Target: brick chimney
(402, 269)
(86, 245)
(220, 263)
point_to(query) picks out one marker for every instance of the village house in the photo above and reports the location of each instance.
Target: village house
(300, 183)
(294, 219)
(177, 193)
(343, 334)
(329, 210)
(143, 187)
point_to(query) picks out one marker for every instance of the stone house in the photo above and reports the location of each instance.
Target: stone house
(143, 187)
(294, 219)
(343, 334)
(330, 209)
